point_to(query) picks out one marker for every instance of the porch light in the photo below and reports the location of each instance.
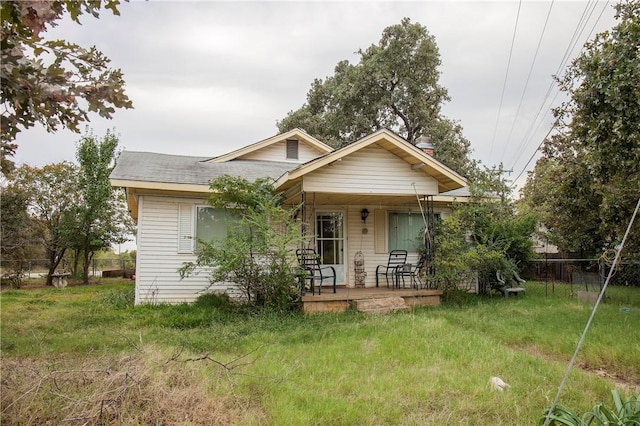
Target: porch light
(364, 214)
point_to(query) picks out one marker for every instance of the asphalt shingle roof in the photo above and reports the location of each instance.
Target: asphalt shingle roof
(165, 168)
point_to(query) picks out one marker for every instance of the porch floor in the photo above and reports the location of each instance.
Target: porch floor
(344, 297)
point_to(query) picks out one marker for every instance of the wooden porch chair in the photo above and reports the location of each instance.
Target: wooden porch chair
(395, 263)
(312, 270)
(511, 287)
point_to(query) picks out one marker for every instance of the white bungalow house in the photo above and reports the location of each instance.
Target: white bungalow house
(381, 174)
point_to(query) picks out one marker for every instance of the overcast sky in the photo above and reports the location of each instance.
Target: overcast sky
(209, 77)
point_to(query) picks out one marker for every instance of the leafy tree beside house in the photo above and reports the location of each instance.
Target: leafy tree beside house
(102, 218)
(483, 236)
(587, 183)
(73, 208)
(257, 252)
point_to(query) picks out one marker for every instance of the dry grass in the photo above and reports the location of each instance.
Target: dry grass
(145, 387)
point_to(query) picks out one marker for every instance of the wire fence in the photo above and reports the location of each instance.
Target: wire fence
(583, 274)
(38, 268)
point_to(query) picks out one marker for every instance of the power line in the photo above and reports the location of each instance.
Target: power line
(532, 155)
(574, 40)
(506, 75)
(526, 84)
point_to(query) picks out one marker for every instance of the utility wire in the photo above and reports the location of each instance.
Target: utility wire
(582, 23)
(574, 39)
(526, 84)
(532, 155)
(593, 313)
(506, 75)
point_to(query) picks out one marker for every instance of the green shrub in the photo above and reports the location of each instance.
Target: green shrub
(625, 413)
(256, 254)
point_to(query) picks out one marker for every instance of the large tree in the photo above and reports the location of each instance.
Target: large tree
(52, 82)
(17, 246)
(587, 183)
(52, 193)
(102, 218)
(395, 86)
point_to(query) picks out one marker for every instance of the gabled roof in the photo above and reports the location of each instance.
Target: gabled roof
(160, 171)
(448, 179)
(298, 134)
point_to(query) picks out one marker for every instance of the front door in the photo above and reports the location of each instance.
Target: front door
(330, 241)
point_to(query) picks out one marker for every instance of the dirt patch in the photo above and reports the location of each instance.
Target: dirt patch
(626, 384)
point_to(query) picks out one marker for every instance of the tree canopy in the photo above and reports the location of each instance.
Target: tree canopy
(52, 193)
(66, 208)
(394, 86)
(587, 183)
(102, 218)
(52, 82)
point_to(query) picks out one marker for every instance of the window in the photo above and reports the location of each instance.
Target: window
(211, 224)
(330, 238)
(405, 231)
(200, 222)
(292, 149)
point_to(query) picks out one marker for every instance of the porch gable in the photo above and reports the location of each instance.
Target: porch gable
(372, 170)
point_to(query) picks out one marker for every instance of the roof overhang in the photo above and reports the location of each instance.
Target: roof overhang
(333, 199)
(135, 188)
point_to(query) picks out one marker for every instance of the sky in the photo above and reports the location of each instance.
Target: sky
(209, 77)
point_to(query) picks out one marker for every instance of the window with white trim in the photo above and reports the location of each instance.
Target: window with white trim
(211, 224)
(200, 223)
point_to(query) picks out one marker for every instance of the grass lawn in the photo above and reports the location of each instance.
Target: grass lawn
(85, 355)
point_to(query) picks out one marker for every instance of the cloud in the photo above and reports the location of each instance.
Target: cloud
(208, 77)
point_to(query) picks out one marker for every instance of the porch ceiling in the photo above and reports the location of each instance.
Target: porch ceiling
(354, 199)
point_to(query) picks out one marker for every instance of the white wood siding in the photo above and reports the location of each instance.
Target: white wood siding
(158, 260)
(278, 152)
(357, 241)
(370, 170)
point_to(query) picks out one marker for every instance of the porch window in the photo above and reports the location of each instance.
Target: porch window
(405, 231)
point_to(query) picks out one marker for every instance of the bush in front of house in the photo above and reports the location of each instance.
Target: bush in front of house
(482, 236)
(256, 255)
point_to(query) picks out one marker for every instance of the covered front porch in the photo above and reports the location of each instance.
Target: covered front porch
(359, 204)
(372, 300)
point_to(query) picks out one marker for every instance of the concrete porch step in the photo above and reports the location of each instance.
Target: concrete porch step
(380, 305)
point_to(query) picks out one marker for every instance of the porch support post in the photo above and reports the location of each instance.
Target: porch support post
(303, 207)
(430, 244)
(313, 219)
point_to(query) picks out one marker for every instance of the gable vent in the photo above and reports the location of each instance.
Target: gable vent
(292, 149)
